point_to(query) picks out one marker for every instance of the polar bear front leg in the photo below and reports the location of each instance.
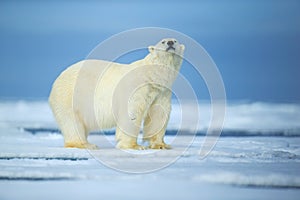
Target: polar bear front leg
(127, 141)
(129, 121)
(127, 131)
(155, 124)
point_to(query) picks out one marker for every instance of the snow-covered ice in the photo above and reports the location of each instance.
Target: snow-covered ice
(263, 165)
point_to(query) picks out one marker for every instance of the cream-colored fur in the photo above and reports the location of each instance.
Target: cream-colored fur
(95, 94)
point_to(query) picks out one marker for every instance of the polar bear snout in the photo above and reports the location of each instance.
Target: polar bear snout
(170, 44)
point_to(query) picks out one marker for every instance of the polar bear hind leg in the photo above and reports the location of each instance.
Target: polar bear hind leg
(74, 132)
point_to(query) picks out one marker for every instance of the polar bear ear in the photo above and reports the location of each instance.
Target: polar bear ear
(151, 49)
(182, 47)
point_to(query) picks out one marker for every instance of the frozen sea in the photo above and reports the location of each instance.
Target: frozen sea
(256, 157)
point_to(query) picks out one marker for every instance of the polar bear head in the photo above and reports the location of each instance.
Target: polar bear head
(167, 46)
(167, 51)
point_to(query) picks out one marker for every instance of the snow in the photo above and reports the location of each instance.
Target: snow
(241, 166)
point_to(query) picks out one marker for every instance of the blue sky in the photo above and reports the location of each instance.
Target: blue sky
(255, 44)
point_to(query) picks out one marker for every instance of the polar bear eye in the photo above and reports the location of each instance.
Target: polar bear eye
(175, 41)
(163, 42)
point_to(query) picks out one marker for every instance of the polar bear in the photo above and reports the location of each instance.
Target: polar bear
(94, 94)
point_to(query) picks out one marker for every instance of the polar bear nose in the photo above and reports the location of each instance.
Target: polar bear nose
(170, 43)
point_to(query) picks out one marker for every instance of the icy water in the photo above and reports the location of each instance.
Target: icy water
(252, 159)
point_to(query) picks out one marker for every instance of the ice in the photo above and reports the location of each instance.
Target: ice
(263, 116)
(238, 179)
(258, 116)
(242, 117)
(241, 166)
(26, 113)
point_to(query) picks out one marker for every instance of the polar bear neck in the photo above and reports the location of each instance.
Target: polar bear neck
(166, 68)
(170, 60)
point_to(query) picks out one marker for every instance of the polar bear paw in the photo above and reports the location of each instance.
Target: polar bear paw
(132, 146)
(81, 145)
(160, 146)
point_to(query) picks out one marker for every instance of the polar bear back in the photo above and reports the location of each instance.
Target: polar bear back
(75, 90)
